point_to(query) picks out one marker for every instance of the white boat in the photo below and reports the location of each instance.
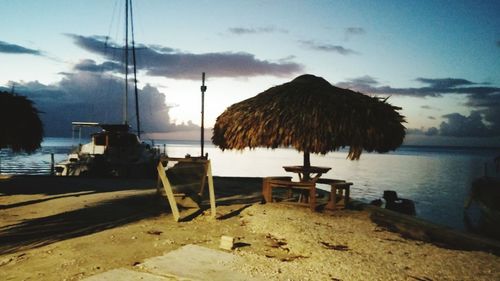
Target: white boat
(114, 151)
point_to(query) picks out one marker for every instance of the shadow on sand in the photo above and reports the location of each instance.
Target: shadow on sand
(108, 214)
(105, 215)
(49, 185)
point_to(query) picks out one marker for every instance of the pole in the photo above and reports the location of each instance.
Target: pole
(125, 99)
(135, 73)
(203, 89)
(52, 164)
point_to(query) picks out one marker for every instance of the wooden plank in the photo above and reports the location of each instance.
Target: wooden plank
(203, 180)
(206, 175)
(168, 191)
(211, 189)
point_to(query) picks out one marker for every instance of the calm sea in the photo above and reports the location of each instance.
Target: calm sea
(436, 178)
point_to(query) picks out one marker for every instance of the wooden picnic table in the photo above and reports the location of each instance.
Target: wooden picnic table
(305, 172)
(339, 188)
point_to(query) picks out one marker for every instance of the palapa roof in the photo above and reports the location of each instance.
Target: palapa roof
(311, 115)
(20, 126)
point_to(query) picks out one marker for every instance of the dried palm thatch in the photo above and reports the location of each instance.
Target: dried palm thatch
(312, 116)
(20, 126)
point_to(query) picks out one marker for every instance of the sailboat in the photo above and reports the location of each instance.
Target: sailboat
(115, 150)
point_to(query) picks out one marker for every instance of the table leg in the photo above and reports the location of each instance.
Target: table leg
(266, 190)
(332, 203)
(312, 197)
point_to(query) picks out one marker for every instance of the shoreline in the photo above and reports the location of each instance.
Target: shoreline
(74, 229)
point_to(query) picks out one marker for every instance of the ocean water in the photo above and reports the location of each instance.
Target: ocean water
(437, 179)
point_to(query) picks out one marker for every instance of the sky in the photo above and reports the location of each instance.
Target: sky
(438, 60)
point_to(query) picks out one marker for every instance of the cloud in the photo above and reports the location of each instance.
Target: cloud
(369, 85)
(431, 117)
(483, 99)
(16, 49)
(492, 116)
(353, 31)
(255, 30)
(432, 131)
(92, 66)
(444, 83)
(327, 48)
(364, 80)
(428, 107)
(479, 124)
(87, 96)
(458, 125)
(434, 87)
(171, 63)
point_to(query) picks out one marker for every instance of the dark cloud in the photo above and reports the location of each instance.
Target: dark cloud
(86, 96)
(492, 116)
(16, 49)
(364, 80)
(90, 65)
(444, 83)
(428, 107)
(95, 44)
(369, 85)
(327, 48)
(458, 125)
(189, 66)
(431, 117)
(355, 30)
(479, 124)
(255, 30)
(168, 62)
(484, 101)
(434, 87)
(432, 131)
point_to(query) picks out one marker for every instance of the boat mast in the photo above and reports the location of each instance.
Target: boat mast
(125, 101)
(135, 73)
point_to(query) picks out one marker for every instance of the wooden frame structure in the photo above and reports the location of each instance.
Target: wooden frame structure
(339, 189)
(286, 182)
(165, 184)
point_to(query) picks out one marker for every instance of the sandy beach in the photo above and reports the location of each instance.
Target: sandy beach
(69, 229)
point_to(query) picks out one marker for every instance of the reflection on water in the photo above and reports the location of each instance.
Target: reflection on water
(437, 179)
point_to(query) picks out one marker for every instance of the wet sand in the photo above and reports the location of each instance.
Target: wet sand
(70, 229)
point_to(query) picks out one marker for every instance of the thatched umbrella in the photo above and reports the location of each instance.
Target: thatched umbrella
(20, 126)
(312, 116)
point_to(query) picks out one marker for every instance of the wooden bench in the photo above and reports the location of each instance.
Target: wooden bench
(286, 182)
(339, 189)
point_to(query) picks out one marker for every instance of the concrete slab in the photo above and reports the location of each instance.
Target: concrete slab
(194, 262)
(123, 274)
